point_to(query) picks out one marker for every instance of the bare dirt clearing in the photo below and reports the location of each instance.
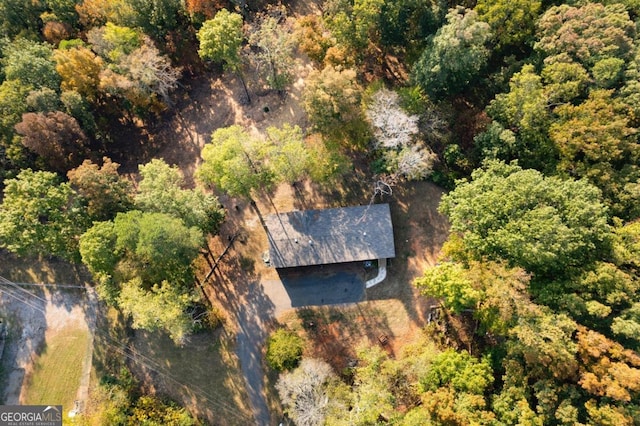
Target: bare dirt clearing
(393, 311)
(208, 103)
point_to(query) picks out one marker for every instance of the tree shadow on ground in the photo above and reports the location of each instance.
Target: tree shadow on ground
(47, 270)
(56, 273)
(23, 315)
(335, 333)
(237, 287)
(198, 374)
(419, 232)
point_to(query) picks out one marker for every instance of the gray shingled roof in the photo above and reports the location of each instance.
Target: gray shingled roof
(320, 237)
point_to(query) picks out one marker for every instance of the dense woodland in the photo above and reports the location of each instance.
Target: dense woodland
(526, 111)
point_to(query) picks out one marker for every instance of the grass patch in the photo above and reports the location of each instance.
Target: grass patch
(209, 368)
(41, 270)
(56, 373)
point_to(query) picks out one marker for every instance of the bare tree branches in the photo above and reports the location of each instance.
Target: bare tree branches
(393, 128)
(303, 391)
(396, 137)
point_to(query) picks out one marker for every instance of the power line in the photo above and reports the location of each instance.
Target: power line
(134, 356)
(20, 299)
(152, 365)
(14, 285)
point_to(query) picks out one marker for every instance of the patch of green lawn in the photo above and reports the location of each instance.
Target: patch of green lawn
(56, 373)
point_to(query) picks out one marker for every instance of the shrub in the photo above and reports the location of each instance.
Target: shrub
(284, 350)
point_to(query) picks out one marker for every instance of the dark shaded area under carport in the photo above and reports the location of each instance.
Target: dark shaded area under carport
(324, 285)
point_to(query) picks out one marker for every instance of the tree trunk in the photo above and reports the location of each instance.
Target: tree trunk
(244, 86)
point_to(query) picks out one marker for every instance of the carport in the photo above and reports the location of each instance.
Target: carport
(320, 254)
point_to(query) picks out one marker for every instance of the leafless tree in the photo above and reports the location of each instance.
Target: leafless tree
(405, 155)
(151, 71)
(303, 391)
(415, 162)
(392, 127)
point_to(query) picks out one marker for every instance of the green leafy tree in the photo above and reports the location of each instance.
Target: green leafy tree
(156, 247)
(20, 18)
(371, 396)
(366, 22)
(142, 251)
(595, 141)
(105, 192)
(160, 308)
(564, 81)
(407, 23)
(157, 18)
(274, 44)
(284, 349)
(449, 281)
(78, 107)
(544, 341)
(626, 245)
(112, 41)
(608, 72)
(13, 96)
(40, 216)
(160, 191)
(496, 294)
(455, 56)
(98, 248)
(544, 225)
(595, 297)
(43, 100)
(30, 63)
(332, 100)
(524, 112)
(98, 253)
(459, 370)
(627, 325)
(64, 11)
(288, 155)
(513, 23)
(221, 39)
(233, 162)
(151, 410)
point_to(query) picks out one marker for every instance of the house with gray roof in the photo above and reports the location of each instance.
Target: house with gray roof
(321, 237)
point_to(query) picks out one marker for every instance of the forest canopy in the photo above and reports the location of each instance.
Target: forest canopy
(526, 112)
